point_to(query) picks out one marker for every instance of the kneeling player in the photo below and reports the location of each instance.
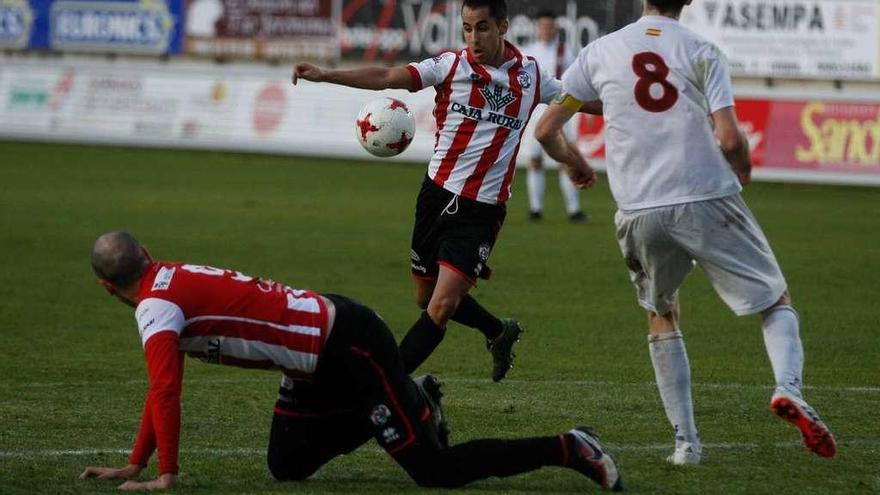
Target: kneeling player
(343, 380)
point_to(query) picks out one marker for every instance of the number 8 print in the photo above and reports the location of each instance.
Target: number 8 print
(651, 70)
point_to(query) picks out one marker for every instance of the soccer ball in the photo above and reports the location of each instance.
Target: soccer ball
(385, 127)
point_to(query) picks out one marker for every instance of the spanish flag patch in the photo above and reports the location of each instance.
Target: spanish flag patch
(653, 32)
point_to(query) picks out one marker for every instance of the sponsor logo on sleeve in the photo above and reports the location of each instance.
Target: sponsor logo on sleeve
(163, 279)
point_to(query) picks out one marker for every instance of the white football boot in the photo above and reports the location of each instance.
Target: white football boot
(686, 453)
(592, 461)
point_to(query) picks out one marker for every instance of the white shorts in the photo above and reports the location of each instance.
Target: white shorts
(662, 245)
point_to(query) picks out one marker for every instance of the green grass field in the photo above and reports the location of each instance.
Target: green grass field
(72, 375)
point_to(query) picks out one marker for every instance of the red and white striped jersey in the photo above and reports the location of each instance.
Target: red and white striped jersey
(219, 316)
(481, 113)
(225, 317)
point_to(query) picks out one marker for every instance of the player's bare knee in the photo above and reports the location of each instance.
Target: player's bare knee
(783, 302)
(442, 307)
(659, 324)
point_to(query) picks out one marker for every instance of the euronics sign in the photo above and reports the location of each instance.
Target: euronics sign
(147, 27)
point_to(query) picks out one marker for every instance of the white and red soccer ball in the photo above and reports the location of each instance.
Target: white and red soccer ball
(385, 127)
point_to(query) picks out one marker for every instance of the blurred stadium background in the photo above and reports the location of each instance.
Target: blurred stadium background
(214, 73)
(133, 114)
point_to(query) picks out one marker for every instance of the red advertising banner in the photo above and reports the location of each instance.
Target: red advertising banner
(823, 135)
(810, 135)
(274, 29)
(753, 119)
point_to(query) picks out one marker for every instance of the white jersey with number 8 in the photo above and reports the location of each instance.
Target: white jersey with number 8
(658, 82)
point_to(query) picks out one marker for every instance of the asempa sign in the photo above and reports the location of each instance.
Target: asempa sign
(837, 39)
(144, 27)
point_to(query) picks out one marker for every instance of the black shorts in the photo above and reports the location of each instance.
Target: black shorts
(360, 391)
(452, 231)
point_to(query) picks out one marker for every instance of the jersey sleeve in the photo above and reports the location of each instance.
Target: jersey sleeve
(431, 71)
(550, 86)
(154, 315)
(146, 439)
(160, 424)
(718, 88)
(576, 81)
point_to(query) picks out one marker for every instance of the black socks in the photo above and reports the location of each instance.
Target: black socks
(420, 342)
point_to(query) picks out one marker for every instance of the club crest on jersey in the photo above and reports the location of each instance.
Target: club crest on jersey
(380, 414)
(524, 79)
(163, 278)
(497, 98)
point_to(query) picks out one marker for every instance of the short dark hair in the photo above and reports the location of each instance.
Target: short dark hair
(497, 8)
(544, 13)
(117, 257)
(668, 5)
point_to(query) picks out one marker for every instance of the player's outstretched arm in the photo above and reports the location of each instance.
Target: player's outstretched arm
(549, 133)
(375, 78)
(733, 143)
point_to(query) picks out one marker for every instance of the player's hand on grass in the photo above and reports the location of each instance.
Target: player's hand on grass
(107, 473)
(308, 72)
(163, 482)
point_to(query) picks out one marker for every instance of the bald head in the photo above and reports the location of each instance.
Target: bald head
(118, 258)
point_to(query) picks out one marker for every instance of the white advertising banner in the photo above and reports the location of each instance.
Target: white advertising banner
(828, 39)
(255, 108)
(199, 105)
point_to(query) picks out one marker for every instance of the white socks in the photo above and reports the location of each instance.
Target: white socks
(569, 193)
(673, 374)
(535, 182)
(783, 342)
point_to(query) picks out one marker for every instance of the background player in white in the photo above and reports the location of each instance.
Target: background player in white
(486, 94)
(342, 379)
(554, 56)
(667, 97)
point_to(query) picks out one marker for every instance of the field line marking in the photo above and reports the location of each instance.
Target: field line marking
(245, 452)
(463, 380)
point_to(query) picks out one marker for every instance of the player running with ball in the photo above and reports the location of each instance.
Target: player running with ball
(485, 96)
